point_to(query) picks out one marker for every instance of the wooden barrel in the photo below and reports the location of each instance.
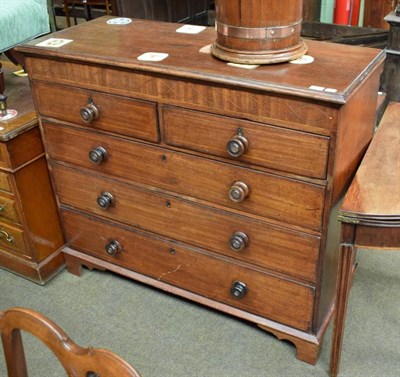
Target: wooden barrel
(258, 31)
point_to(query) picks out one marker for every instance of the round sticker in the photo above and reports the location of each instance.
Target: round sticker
(10, 114)
(305, 59)
(119, 21)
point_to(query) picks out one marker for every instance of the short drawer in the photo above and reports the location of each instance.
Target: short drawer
(12, 238)
(121, 115)
(276, 248)
(192, 269)
(254, 143)
(271, 196)
(8, 210)
(5, 182)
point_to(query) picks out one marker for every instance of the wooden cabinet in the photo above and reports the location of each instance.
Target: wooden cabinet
(208, 180)
(30, 231)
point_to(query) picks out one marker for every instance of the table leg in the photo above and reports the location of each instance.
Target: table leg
(344, 282)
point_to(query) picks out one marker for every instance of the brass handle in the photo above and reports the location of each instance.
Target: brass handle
(237, 146)
(89, 112)
(238, 241)
(238, 192)
(105, 200)
(98, 155)
(239, 289)
(8, 237)
(113, 248)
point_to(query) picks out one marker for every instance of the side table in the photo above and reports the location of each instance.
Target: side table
(370, 214)
(30, 231)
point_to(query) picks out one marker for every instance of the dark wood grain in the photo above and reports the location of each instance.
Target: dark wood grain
(174, 189)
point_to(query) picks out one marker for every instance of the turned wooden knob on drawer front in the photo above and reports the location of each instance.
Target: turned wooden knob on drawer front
(89, 112)
(239, 289)
(105, 200)
(237, 145)
(98, 155)
(238, 192)
(113, 248)
(238, 241)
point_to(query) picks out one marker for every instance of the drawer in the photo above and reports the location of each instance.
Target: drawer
(193, 270)
(5, 182)
(8, 210)
(12, 238)
(254, 143)
(256, 242)
(282, 199)
(116, 114)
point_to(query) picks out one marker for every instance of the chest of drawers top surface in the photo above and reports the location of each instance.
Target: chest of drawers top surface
(121, 46)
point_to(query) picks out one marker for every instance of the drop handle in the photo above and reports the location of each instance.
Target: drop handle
(238, 241)
(113, 248)
(237, 146)
(238, 289)
(98, 155)
(238, 192)
(89, 112)
(8, 237)
(105, 200)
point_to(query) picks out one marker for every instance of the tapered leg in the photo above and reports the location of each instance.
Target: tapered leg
(345, 274)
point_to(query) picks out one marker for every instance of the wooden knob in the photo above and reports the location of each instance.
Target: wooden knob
(113, 248)
(238, 192)
(89, 112)
(105, 200)
(239, 289)
(237, 146)
(98, 155)
(238, 241)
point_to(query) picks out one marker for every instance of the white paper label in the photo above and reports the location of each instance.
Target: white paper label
(119, 21)
(191, 29)
(54, 42)
(305, 59)
(244, 66)
(153, 56)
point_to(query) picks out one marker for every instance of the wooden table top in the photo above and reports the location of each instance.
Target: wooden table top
(374, 195)
(19, 98)
(333, 76)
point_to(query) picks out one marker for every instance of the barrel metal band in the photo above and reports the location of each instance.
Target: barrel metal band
(275, 32)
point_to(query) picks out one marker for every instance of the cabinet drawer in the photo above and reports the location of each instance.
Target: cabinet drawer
(8, 210)
(286, 200)
(193, 270)
(12, 238)
(5, 182)
(255, 143)
(269, 246)
(117, 114)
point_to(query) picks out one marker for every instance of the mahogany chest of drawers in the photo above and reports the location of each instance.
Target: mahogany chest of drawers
(211, 181)
(30, 231)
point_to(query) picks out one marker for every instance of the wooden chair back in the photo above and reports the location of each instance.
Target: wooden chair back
(77, 361)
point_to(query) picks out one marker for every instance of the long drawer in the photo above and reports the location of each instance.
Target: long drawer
(255, 143)
(126, 116)
(269, 246)
(271, 196)
(193, 270)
